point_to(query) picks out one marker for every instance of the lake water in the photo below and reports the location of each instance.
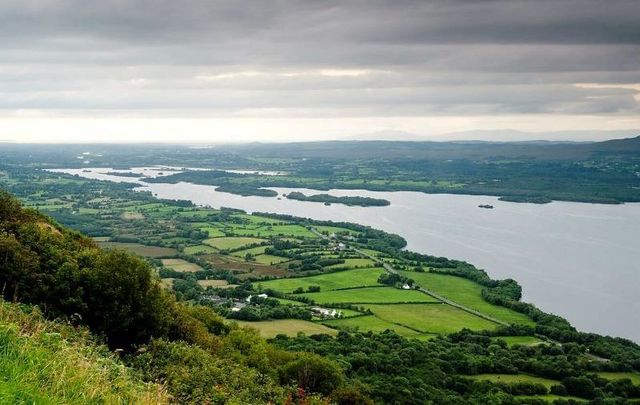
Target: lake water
(580, 261)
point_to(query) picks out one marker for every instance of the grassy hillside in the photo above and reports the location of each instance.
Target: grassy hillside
(46, 362)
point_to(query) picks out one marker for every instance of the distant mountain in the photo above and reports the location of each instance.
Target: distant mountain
(499, 135)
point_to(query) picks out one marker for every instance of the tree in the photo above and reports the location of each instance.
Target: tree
(313, 373)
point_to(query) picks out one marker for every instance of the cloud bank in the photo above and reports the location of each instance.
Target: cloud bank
(423, 66)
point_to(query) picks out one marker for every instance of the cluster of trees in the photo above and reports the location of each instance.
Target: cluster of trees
(395, 370)
(395, 279)
(261, 309)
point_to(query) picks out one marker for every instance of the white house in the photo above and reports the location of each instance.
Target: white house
(259, 296)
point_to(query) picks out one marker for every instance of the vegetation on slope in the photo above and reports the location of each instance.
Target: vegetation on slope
(48, 362)
(116, 295)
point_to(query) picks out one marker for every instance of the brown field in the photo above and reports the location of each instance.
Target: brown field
(167, 282)
(181, 265)
(235, 264)
(289, 327)
(142, 250)
(213, 283)
(130, 215)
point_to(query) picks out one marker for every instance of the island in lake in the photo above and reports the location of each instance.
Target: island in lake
(328, 199)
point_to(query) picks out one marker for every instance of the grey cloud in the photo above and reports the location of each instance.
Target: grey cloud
(419, 57)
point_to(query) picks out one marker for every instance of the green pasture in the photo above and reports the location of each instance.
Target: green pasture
(370, 295)
(326, 282)
(370, 323)
(465, 292)
(431, 318)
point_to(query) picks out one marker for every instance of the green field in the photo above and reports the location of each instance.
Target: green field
(142, 250)
(231, 242)
(520, 340)
(634, 377)
(370, 295)
(514, 378)
(212, 232)
(289, 327)
(269, 259)
(334, 229)
(181, 265)
(254, 251)
(290, 302)
(550, 398)
(431, 318)
(370, 323)
(273, 230)
(353, 263)
(465, 292)
(326, 282)
(198, 250)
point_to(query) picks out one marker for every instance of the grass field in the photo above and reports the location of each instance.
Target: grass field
(231, 242)
(181, 265)
(550, 398)
(634, 377)
(334, 229)
(212, 232)
(465, 292)
(520, 340)
(289, 327)
(431, 318)
(370, 323)
(254, 251)
(290, 302)
(142, 250)
(326, 282)
(514, 378)
(371, 295)
(353, 263)
(213, 283)
(198, 250)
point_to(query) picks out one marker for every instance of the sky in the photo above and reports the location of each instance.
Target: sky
(207, 71)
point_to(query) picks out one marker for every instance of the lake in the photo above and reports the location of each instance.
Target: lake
(577, 260)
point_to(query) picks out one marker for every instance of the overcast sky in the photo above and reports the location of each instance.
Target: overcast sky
(219, 71)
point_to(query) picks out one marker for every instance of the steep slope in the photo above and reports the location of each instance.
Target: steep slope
(47, 362)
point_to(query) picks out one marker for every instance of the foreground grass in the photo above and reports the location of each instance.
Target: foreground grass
(43, 362)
